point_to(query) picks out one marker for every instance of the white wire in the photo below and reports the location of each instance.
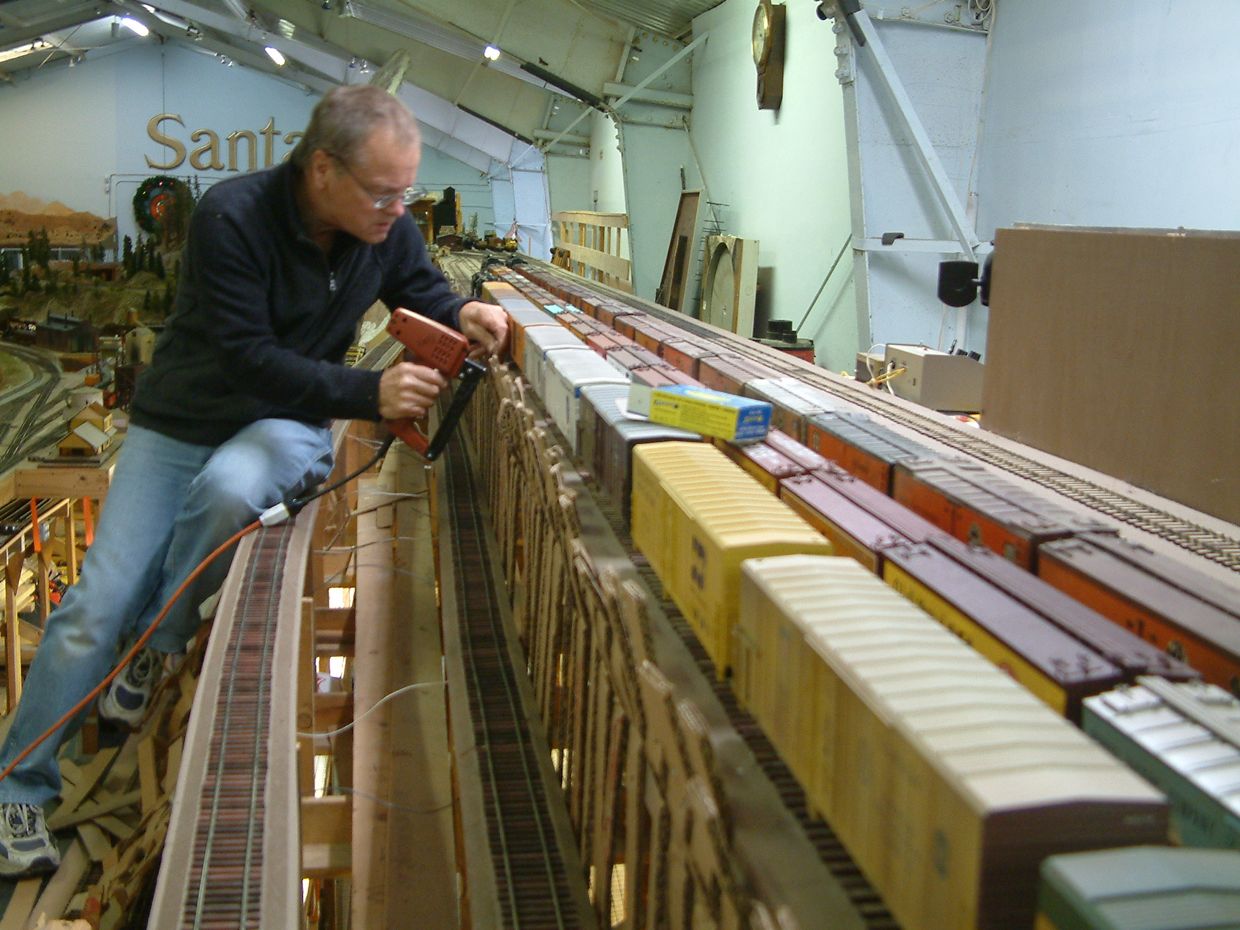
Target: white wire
(870, 368)
(343, 789)
(363, 545)
(942, 322)
(383, 700)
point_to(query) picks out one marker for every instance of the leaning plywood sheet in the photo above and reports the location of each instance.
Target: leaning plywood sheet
(1113, 348)
(681, 253)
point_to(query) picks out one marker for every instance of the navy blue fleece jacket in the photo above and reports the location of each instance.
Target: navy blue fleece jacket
(263, 318)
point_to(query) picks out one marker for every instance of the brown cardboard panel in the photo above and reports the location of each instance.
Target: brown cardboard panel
(1120, 350)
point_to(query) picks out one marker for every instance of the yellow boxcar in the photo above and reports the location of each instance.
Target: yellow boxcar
(947, 781)
(696, 515)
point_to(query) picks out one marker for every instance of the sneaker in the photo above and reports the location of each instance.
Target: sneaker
(26, 848)
(125, 700)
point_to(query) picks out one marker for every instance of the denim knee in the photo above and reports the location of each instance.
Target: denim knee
(230, 499)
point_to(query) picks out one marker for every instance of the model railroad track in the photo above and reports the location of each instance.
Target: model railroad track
(230, 861)
(37, 428)
(15, 516)
(1189, 536)
(531, 878)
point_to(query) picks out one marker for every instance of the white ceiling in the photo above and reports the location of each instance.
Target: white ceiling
(552, 50)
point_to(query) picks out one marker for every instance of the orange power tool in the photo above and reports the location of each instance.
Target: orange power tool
(435, 346)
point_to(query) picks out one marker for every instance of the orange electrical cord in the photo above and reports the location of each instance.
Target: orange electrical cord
(136, 648)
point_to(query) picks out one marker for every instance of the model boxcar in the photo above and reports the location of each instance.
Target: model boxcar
(852, 530)
(1181, 610)
(974, 504)
(696, 516)
(861, 446)
(1053, 665)
(1185, 738)
(948, 783)
(606, 437)
(565, 373)
(1140, 889)
(1133, 655)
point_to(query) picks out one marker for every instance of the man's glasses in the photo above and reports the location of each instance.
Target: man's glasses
(407, 196)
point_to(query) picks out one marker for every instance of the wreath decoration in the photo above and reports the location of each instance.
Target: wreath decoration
(155, 201)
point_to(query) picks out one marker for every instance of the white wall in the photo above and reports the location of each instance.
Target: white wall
(1112, 113)
(60, 135)
(568, 179)
(606, 167)
(79, 135)
(783, 175)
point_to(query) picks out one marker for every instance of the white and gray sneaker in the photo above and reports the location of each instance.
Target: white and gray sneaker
(125, 700)
(26, 848)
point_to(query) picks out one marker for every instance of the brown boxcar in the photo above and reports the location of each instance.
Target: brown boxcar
(861, 446)
(763, 461)
(1054, 666)
(686, 354)
(1131, 654)
(893, 513)
(1152, 597)
(975, 505)
(852, 530)
(730, 373)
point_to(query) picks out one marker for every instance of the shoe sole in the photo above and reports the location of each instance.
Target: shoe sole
(38, 867)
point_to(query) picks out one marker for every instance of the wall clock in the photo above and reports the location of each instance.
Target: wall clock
(768, 53)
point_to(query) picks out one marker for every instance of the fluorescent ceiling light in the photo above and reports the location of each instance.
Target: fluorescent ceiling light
(130, 23)
(491, 53)
(274, 54)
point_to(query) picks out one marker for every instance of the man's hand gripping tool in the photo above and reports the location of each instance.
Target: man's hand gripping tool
(435, 346)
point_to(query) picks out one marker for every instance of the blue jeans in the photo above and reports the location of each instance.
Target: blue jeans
(170, 504)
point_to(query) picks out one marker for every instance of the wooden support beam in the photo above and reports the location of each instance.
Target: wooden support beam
(335, 621)
(327, 821)
(60, 481)
(326, 646)
(332, 710)
(403, 856)
(321, 861)
(306, 695)
(12, 635)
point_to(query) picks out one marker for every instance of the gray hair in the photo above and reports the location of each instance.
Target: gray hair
(346, 116)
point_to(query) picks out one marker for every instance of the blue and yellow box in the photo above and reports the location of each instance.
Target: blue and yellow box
(711, 413)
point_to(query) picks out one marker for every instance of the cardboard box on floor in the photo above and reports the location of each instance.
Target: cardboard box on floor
(1120, 349)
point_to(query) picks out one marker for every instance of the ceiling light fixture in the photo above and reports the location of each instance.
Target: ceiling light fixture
(274, 54)
(491, 53)
(135, 25)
